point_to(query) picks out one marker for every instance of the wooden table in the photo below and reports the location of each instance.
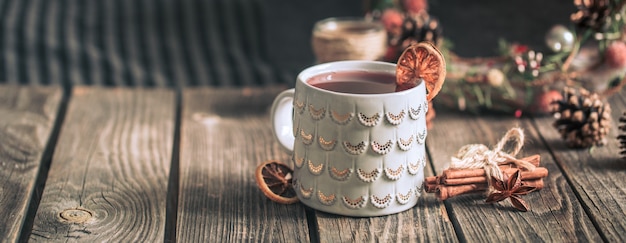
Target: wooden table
(149, 165)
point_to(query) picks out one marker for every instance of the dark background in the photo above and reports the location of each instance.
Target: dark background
(220, 42)
(474, 27)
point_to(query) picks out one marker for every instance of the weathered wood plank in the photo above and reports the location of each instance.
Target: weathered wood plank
(225, 134)
(426, 222)
(27, 116)
(597, 175)
(109, 174)
(555, 215)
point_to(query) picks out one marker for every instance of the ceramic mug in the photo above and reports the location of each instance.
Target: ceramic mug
(353, 154)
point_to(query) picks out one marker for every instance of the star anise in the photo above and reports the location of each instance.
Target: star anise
(512, 189)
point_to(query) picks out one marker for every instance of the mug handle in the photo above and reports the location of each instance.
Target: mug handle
(282, 119)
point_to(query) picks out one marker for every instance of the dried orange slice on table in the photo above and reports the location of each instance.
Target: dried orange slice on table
(275, 181)
(421, 61)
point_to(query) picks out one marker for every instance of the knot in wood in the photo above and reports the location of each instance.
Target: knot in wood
(76, 215)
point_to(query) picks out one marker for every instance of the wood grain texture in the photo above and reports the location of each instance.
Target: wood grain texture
(555, 215)
(225, 134)
(27, 116)
(597, 175)
(426, 222)
(108, 177)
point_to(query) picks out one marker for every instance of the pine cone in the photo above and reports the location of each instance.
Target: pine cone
(582, 119)
(416, 28)
(591, 14)
(622, 136)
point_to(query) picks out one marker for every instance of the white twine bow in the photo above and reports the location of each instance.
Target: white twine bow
(475, 156)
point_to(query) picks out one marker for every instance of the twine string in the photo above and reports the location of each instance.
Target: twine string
(475, 156)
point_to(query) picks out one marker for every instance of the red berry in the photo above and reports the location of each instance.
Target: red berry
(545, 103)
(415, 6)
(517, 49)
(392, 20)
(616, 54)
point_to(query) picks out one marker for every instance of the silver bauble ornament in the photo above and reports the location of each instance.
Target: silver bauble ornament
(559, 38)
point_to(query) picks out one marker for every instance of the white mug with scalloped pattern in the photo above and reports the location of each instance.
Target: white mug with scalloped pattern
(353, 154)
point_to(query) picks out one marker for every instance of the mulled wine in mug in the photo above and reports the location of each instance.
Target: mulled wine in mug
(357, 145)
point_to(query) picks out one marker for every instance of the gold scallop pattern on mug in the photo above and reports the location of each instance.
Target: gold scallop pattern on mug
(317, 114)
(306, 192)
(425, 106)
(414, 168)
(341, 119)
(405, 144)
(315, 169)
(369, 121)
(421, 137)
(394, 174)
(368, 176)
(298, 161)
(418, 189)
(356, 203)
(326, 199)
(381, 202)
(404, 198)
(354, 149)
(340, 175)
(415, 113)
(299, 106)
(382, 148)
(306, 138)
(395, 119)
(327, 145)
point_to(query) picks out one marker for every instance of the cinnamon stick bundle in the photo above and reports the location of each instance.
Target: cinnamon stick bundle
(445, 192)
(454, 182)
(539, 172)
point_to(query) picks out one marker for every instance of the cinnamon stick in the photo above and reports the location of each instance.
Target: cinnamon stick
(464, 173)
(445, 192)
(539, 172)
(430, 188)
(459, 174)
(433, 188)
(432, 180)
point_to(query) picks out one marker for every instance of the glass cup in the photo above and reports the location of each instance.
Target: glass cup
(348, 38)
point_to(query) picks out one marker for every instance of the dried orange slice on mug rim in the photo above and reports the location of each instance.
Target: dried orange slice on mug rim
(275, 181)
(421, 62)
